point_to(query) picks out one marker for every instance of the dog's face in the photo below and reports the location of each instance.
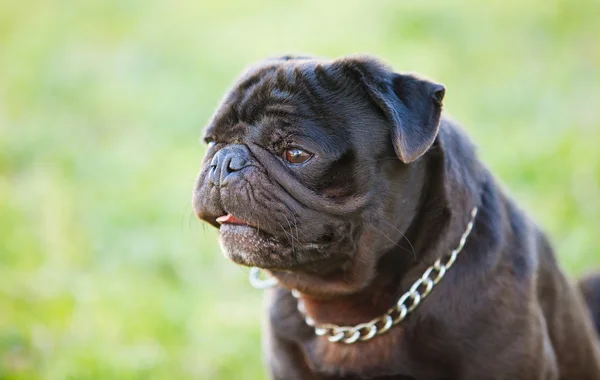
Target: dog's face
(311, 169)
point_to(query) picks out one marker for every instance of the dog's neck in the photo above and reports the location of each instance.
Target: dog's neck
(364, 305)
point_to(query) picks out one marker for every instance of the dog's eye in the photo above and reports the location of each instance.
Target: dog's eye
(210, 141)
(296, 156)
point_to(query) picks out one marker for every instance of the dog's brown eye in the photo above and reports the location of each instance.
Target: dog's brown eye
(296, 156)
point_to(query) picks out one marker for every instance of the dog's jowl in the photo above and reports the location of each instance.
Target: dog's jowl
(396, 254)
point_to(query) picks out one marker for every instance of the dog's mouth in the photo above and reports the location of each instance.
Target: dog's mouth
(248, 245)
(230, 219)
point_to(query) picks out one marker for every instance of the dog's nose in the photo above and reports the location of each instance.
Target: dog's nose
(226, 162)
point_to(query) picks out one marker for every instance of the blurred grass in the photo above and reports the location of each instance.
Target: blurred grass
(104, 271)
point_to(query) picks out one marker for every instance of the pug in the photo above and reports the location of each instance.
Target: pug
(396, 254)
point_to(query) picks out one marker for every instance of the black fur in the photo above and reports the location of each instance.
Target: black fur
(388, 191)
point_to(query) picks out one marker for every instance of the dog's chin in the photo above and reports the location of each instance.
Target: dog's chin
(248, 246)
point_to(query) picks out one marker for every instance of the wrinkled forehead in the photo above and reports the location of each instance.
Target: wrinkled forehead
(299, 97)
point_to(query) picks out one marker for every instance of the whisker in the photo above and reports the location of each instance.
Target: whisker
(398, 245)
(291, 235)
(192, 219)
(403, 236)
(287, 234)
(296, 226)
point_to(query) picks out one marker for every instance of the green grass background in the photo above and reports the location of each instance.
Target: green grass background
(104, 271)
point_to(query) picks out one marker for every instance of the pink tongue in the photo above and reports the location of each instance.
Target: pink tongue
(229, 219)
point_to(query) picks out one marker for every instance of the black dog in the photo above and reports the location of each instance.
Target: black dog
(345, 182)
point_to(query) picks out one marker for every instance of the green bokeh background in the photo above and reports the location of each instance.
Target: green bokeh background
(105, 272)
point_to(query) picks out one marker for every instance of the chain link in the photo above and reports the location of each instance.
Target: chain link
(408, 302)
(258, 282)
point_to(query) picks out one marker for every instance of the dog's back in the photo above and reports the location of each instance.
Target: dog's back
(590, 288)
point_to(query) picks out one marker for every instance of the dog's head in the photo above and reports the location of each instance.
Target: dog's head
(312, 169)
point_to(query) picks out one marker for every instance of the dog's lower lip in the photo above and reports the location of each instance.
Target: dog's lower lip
(230, 219)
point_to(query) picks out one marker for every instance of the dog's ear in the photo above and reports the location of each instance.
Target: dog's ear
(412, 105)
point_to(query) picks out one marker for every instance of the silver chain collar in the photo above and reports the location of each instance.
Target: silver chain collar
(393, 316)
